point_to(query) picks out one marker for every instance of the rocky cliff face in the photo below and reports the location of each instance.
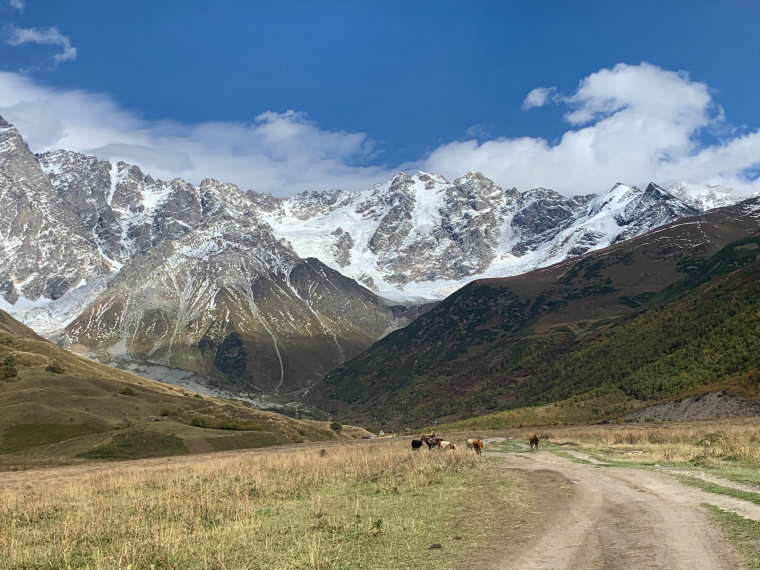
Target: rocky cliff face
(44, 251)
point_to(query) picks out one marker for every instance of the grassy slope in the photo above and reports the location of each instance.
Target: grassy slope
(78, 409)
(569, 332)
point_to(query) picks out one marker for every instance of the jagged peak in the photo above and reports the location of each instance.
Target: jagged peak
(653, 188)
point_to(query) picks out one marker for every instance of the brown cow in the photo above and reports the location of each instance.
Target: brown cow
(478, 445)
(533, 439)
(431, 440)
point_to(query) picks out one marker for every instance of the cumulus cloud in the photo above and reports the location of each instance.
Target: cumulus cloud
(45, 36)
(283, 153)
(630, 123)
(18, 5)
(539, 97)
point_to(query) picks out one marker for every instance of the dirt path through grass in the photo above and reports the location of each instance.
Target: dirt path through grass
(609, 518)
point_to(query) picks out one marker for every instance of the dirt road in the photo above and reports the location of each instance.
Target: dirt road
(591, 517)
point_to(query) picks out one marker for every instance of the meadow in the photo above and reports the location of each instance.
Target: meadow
(374, 505)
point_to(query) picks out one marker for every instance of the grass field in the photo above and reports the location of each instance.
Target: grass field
(726, 447)
(363, 507)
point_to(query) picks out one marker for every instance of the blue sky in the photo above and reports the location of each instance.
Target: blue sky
(288, 96)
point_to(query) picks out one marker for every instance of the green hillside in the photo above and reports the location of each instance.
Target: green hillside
(57, 407)
(649, 319)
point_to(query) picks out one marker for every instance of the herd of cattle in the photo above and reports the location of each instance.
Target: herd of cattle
(475, 444)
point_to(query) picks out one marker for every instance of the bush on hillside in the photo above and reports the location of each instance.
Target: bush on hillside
(8, 371)
(55, 367)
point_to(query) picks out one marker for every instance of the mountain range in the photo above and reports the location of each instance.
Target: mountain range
(257, 293)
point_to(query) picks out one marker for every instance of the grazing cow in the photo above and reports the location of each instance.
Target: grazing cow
(478, 445)
(446, 445)
(416, 444)
(533, 439)
(431, 441)
(470, 442)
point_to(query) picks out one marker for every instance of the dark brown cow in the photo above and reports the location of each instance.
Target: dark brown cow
(478, 445)
(533, 439)
(431, 441)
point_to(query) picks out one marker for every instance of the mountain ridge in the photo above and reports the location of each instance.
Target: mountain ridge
(122, 266)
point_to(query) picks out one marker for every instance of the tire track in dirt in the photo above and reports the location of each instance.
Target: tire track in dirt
(613, 518)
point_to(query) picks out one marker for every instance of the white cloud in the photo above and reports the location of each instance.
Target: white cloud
(631, 123)
(283, 153)
(45, 36)
(18, 5)
(539, 97)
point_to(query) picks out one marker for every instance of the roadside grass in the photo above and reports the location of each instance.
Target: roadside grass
(725, 447)
(720, 489)
(367, 507)
(745, 533)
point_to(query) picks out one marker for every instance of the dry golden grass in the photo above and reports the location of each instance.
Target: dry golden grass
(360, 507)
(717, 443)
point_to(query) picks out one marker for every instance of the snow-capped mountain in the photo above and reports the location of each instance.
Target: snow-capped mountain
(703, 196)
(230, 300)
(420, 236)
(261, 289)
(117, 264)
(44, 251)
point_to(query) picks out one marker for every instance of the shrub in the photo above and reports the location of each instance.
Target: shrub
(8, 371)
(55, 367)
(336, 426)
(197, 421)
(127, 391)
(10, 360)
